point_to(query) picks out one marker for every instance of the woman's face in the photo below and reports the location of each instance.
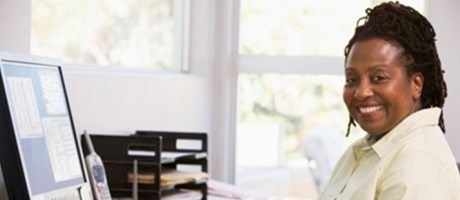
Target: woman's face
(378, 92)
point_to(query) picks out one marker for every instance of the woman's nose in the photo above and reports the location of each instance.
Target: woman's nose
(363, 91)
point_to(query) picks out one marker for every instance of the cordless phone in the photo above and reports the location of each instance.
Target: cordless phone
(96, 172)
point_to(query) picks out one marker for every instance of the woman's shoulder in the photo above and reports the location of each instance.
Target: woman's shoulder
(427, 147)
(428, 140)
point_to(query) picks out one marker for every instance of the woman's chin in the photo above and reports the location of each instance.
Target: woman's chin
(374, 131)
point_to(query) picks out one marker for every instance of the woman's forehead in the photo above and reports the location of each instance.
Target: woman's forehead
(373, 51)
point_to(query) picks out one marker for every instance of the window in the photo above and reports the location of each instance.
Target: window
(141, 34)
(299, 121)
(301, 28)
(289, 94)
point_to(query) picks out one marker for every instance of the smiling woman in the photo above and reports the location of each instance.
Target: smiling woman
(378, 91)
(395, 91)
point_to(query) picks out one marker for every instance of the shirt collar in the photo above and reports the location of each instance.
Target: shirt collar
(429, 116)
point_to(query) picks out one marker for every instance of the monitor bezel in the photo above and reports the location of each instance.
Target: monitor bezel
(15, 180)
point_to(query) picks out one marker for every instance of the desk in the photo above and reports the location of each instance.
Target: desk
(218, 190)
(211, 197)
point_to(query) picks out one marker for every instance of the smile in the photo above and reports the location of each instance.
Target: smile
(367, 110)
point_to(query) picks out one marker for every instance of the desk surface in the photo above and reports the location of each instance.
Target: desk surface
(212, 197)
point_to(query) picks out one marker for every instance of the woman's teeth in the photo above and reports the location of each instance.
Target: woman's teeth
(369, 109)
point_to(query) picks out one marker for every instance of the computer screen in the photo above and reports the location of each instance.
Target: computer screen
(39, 148)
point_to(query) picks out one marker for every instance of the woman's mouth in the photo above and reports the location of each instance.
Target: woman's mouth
(369, 110)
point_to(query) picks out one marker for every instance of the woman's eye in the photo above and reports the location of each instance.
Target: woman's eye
(378, 78)
(351, 80)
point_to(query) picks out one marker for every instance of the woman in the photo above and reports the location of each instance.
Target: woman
(395, 91)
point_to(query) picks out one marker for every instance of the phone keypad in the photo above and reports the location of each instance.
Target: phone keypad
(103, 192)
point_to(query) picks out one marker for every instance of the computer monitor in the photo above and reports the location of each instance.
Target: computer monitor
(40, 154)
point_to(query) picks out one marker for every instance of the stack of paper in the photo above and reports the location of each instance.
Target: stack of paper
(181, 195)
(170, 177)
(220, 189)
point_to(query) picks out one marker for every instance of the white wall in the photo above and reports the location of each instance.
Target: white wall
(15, 25)
(445, 17)
(120, 102)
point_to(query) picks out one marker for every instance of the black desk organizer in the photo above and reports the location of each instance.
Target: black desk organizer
(113, 151)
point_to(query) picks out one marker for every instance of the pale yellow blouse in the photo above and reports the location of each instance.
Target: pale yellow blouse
(413, 161)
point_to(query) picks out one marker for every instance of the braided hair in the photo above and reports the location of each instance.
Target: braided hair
(395, 22)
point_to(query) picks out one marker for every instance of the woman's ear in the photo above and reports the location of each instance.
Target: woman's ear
(417, 85)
